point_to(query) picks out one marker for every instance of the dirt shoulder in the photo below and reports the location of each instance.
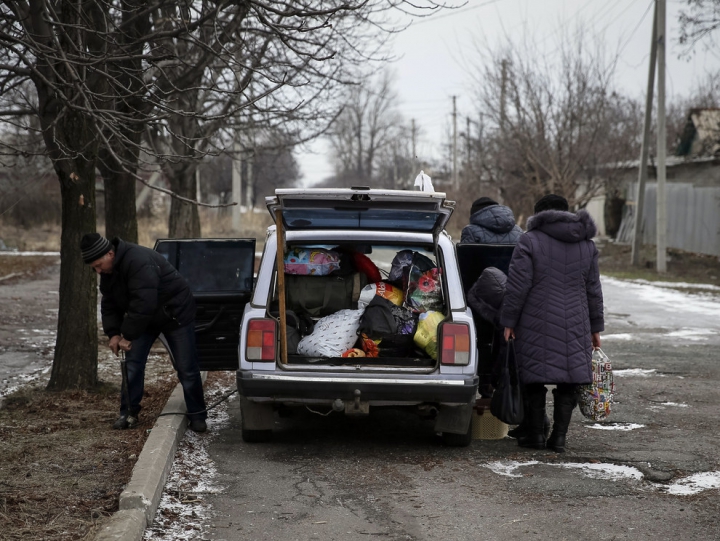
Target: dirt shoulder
(62, 467)
(681, 266)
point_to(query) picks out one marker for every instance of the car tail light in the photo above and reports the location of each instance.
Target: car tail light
(455, 344)
(260, 340)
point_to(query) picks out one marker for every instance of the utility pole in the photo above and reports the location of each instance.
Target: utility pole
(412, 134)
(236, 182)
(503, 92)
(467, 148)
(661, 194)
(645, 150)
(454, 149)
(249, 192)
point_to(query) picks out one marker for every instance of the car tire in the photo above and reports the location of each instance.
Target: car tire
(458, 440)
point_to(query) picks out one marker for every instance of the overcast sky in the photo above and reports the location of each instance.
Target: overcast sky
(435, 55)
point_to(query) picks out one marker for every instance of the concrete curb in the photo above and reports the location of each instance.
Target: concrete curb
(139, 501)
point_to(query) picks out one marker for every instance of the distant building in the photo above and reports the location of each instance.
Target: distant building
(693, 189)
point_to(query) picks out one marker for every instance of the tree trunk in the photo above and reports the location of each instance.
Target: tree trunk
(76, 348)
(120, 212)
(184, 220)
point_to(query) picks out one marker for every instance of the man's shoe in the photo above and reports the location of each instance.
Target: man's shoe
(125, 421)
(197, 425)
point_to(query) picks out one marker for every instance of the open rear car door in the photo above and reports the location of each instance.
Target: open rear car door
(220, 273)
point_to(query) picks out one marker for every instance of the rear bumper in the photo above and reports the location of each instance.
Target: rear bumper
(288, 386)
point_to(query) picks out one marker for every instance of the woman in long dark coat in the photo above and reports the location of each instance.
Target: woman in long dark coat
(553, 307)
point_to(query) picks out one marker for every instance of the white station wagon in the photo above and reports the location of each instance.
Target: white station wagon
(375, 223)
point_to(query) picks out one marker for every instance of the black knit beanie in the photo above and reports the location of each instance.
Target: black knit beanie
(93, 246)
(551, 202)
(481, 204)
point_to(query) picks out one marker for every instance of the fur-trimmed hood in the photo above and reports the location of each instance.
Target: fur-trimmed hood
(564, 226)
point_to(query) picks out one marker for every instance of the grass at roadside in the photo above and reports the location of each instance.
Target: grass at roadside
(681, 266)
(63, 467)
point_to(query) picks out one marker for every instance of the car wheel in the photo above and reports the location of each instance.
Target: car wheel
(458, 440)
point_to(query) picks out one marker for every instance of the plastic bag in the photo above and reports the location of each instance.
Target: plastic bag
(332, 335)
(403, 260)
(596, 398)
(426, 335)
(381, 289)
(315, 261)
(405, 318)
(424, 290)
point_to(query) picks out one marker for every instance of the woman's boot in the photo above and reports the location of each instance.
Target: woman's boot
(565, 403)
(521, 430)
(534, 438)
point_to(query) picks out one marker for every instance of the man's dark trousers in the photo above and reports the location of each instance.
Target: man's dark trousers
(182, 345)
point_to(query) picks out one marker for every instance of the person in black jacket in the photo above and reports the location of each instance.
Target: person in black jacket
(142, 296)
(490, 223)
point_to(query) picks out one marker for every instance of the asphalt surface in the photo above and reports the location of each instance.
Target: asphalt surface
(388, 476)
(27, 328)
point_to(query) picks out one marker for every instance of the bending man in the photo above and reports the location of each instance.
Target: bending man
(142, 296)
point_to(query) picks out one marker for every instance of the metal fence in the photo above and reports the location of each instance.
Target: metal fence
(693, 217)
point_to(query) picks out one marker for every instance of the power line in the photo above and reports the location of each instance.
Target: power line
(433, 18)
(637, 26)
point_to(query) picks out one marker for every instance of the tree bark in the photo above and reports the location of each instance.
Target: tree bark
(184, 220)
(76, 348)
(120, 211)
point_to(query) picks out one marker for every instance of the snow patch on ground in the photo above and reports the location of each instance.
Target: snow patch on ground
(676, 404)
(612, 472)
(615, 472)
(675, 285)
(624, 427)
(12, 383)
(686, 486)
(620, 336)
(508, 467)
(677, 301)
(692, 334)
(642, 372)
(693, 484)
(182, 508)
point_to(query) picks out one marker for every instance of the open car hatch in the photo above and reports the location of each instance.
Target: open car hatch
(220, 274)
(362, 208)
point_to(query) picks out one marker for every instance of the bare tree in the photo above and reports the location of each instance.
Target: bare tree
(105, 72)
(553, 122)
(698, 23)
(365, 131)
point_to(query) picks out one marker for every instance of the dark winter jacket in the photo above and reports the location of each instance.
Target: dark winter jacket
(553, 298)
(144, 293)
(491, 225)
(486, 295)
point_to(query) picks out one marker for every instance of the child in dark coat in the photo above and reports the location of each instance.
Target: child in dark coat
(485, 298)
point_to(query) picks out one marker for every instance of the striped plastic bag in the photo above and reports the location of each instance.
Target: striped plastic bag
(595, 399)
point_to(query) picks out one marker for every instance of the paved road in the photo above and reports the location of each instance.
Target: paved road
(28, 325)
(388, 476)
